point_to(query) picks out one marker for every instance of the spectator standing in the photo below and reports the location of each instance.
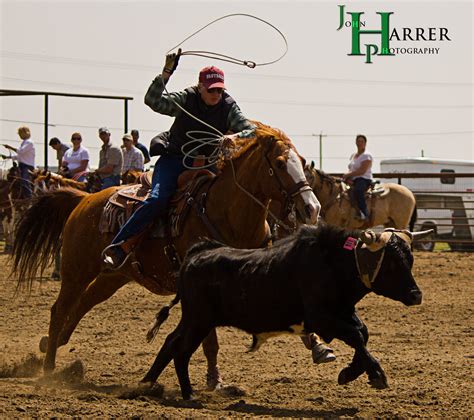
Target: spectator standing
(60, 148)
(25, 155)
(132, 157)
(146, 155)
(110, 161)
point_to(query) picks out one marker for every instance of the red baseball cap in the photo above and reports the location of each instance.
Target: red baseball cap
(212, 77)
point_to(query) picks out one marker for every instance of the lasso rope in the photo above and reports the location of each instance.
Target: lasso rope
(215, 137)
(229, 59)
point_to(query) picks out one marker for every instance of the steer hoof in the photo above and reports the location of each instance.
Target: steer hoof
(214, 380)
(379, 382)
(345, 376)
(188, 396)
(43, 344)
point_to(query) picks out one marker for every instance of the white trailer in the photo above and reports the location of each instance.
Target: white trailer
(445, 204)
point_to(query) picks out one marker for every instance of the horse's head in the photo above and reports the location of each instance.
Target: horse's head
(286, 181)
(311, 174)
(323, 185)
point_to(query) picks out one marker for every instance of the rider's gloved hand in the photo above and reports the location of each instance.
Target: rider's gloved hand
(171, 62)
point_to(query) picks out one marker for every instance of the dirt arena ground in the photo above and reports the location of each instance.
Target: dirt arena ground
(427, 353)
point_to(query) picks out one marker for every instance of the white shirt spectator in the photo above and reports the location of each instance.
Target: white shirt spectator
(25, 153)
(132, 159)
(73, 158)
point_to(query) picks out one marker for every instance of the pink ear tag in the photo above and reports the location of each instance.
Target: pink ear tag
(350, 243)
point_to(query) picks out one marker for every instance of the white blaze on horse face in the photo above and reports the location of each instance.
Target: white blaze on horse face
(296, 171)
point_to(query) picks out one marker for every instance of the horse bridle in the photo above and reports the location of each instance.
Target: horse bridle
(324, 178)
(288, 204)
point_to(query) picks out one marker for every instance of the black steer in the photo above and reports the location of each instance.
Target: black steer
(308, 282)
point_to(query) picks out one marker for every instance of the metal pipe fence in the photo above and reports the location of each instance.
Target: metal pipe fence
(445, 203)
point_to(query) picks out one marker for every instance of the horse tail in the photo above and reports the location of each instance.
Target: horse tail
(38, 233)
(161, 317)
(413, 219)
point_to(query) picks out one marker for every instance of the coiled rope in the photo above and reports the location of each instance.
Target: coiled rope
(215, 138)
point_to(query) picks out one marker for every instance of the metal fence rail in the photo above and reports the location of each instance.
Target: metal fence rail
(445, 203)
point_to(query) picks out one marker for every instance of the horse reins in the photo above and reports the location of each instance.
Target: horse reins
(298, 189)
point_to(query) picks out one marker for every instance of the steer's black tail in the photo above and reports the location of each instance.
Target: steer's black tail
(161, 317)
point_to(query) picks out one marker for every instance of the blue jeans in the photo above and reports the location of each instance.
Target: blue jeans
(110, 181)
(163, 185)
(26, 190)
(359, 187)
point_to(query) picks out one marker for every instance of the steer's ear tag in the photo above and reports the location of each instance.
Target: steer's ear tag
(350, 243)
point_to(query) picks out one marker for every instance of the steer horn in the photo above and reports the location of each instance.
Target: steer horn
(422, 234)
(368, 237)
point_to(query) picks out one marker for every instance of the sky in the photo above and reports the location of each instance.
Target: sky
(409, 104)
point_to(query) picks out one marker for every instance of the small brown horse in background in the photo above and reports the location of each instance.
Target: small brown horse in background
(131, 176)
(266, 167)
(47, 180)
(396, 207)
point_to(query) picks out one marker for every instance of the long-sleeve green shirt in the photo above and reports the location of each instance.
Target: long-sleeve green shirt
(166, 104)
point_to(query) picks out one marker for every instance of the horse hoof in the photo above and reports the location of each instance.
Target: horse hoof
(48, 368)
(43, 344)
(322, 354)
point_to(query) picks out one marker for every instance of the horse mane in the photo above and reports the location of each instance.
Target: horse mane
(263, 133)
(326, 177)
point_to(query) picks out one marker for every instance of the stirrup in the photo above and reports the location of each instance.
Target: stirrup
(109, 261)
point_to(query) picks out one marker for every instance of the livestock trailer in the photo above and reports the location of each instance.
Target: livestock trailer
(445, 204)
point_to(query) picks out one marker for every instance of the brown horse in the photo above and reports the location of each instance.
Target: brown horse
(266, 167)
(47, 180)
(395, 207)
